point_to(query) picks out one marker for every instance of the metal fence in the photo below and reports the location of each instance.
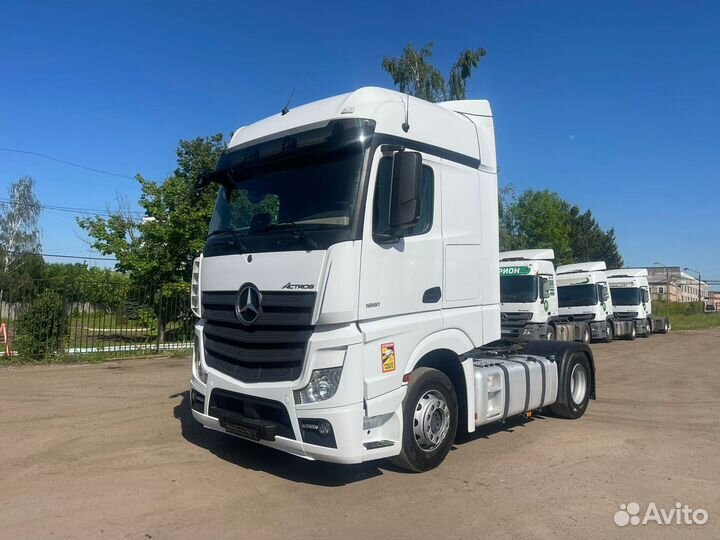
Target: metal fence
(44, 319)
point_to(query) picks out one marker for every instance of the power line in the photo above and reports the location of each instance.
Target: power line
(79, 166)
(78, 210)
(62, 256)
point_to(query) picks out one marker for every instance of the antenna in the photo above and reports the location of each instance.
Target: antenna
(406, 125)
(285, 109)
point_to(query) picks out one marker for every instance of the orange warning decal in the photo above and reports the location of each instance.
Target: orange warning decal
(387, 353)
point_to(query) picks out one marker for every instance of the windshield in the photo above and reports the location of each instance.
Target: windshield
(298, 192)
(577, 295)
(626, 296)
(518, 289)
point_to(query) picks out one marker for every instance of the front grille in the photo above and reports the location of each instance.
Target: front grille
(270, 350)
(512, 323)
(625, 315)
(577, 317)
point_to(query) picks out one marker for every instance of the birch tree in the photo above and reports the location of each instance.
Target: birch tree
(19, 228)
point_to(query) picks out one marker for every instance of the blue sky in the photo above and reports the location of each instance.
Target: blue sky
(614, 105)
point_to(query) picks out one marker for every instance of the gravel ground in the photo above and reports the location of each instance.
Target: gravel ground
(111, 451)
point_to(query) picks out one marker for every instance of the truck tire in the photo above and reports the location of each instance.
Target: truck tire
(550, 332)
(648, 329)
(430, 418)
(577, 383)
(609, 332)
(665, 329)
(633, 333)
(585, 334)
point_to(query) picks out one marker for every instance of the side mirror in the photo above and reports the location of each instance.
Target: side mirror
(544, 288)
(405, 190)
(219, 177)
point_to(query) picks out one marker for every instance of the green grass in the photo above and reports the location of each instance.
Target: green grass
(91, 358)
(686, 316)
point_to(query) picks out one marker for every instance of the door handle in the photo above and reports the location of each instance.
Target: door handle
(432, 295)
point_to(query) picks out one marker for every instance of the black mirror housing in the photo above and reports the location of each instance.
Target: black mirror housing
(405, 190)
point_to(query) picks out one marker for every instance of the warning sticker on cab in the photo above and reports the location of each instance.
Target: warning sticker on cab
(387, 353)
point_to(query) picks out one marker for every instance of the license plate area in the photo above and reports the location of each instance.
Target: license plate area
(241, 430)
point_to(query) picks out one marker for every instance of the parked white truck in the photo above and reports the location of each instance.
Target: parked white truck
(630, 292)
(350, 279)
(528, 299)
(584, 295)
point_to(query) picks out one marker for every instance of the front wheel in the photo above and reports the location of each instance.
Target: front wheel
(550, 332)
(586, 335)
(576, 384)
(608, 332)
(430, 417)
(648, 329)
(633, 332)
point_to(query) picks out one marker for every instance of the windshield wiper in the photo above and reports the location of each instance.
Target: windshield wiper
(236, 236)
(297, 229)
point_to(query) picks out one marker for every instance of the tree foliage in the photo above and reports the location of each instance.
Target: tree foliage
(160, 249)
(542, 219)
(19, 225)
(412, 73)
(42, 327)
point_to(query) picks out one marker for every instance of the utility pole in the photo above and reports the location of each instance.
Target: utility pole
(699, 283)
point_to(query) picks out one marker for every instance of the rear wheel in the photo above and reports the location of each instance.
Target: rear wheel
(666, 326)
(576, 384)
(430, 417)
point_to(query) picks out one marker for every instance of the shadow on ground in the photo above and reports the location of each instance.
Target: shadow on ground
(262, 458)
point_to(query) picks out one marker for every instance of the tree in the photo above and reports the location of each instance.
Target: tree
(157, 252)
(412, 73)
(19, 225)
(160, 248)
(542, 219)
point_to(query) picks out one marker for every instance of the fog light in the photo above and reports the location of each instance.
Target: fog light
(318, 432)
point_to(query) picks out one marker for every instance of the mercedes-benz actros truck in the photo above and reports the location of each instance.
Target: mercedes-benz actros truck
(528, 299)
(349, 286)
(630, 292)
(584, 295)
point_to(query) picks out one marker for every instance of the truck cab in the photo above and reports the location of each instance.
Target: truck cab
(584, 295)
(350, 280)
(528, 301)
(630, 292)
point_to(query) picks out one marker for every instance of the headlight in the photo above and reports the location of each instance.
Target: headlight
(200, 372)
(322, 386)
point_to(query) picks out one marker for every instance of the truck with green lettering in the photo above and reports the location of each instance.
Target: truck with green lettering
(528, 299)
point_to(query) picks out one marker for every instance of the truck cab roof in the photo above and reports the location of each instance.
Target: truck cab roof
(581, 267)
(528, 255)
(454, 126)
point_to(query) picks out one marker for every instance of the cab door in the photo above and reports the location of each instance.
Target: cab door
(402, 276)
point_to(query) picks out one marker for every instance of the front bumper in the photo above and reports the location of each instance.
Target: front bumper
(345, 411)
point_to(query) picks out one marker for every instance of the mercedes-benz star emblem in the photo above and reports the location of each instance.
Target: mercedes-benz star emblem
(247, 304)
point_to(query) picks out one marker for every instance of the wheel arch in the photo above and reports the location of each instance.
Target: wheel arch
(442, 351)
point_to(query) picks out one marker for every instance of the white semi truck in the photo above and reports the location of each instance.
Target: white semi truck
(528, 299)
(584, 295)
(350, 281)
(630, 292)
